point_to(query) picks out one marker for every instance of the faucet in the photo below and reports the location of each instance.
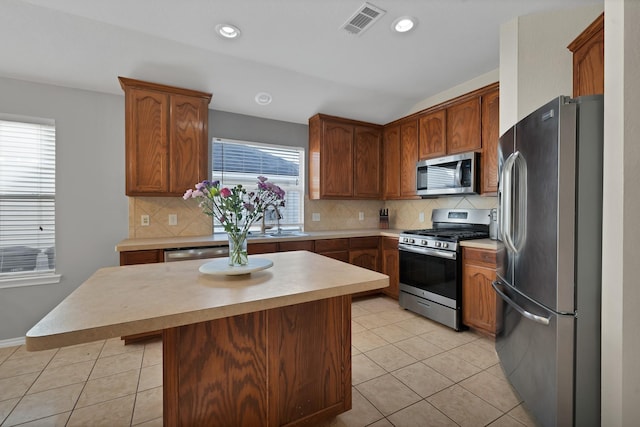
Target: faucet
(264, 215)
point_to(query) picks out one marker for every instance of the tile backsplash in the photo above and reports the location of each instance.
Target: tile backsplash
(333, 214)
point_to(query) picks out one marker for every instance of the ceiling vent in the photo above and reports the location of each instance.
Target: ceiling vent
(363, 19)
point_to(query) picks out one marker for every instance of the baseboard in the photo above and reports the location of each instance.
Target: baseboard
(12, 342)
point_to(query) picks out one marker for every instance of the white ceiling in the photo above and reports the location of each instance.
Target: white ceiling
(293, 49)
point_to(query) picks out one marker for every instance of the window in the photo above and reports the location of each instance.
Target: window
(237, 162)
(27, 201)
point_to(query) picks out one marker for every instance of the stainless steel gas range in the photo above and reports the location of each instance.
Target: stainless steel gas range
(431, 263)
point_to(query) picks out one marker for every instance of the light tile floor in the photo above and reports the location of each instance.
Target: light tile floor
(407, 371)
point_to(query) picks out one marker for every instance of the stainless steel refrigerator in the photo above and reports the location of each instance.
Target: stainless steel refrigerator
(549, 260)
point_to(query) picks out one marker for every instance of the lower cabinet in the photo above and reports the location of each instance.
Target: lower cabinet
(365, 252)
(478, 297)
(390, 265)
(142, 257)
(334, 248)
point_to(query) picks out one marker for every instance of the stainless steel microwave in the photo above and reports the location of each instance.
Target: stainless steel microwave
(448, 175)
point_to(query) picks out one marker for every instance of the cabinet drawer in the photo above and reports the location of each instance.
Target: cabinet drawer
(479, 256)
(141, 257)
(262, 248)
(330, 245)
(298, 245)
(364, 242)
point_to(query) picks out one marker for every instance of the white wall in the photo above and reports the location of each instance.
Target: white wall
(621, 270)
(465, 87)
(536, 65)
(91, 208)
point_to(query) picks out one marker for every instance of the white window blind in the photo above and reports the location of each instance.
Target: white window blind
(239, 162)
(27, 198)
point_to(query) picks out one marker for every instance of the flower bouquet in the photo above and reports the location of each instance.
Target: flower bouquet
(236, 209)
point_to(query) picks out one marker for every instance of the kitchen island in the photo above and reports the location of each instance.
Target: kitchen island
(266, 349)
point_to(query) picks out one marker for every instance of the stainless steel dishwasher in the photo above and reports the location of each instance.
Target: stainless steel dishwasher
(184, 254)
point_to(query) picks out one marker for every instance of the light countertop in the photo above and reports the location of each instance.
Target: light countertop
(480, 244)
(221, 239)
(117, 301)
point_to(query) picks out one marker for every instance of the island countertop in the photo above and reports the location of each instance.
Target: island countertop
(118, 301)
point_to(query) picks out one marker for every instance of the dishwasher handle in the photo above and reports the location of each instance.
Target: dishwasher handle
(172, 255)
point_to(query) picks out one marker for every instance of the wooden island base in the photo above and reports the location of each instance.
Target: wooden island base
(285, 366)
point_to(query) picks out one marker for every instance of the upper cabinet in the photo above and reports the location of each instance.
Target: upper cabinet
(408, 158)
(463, 126)
(344, 158)
(588, 59)
(490, 137)
(466, 123)
(391, 162)
(166, 138)
(433, 134)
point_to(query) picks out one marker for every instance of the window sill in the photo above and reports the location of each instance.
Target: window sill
(35, 280)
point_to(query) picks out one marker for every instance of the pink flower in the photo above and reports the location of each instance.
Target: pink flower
(225, 192)
(187, 194)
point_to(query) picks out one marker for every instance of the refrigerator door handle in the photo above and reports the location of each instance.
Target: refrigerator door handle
(534, 317)
(520, 233)
(506, 203)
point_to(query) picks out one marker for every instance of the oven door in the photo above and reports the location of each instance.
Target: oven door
(431, 274)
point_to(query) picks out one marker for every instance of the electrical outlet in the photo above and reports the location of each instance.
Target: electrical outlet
(315, 216)
(421, 217)
(361, 216)
(144, 220)
(173, 219)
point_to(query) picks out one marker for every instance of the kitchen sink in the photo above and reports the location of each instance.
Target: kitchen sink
(284, 233)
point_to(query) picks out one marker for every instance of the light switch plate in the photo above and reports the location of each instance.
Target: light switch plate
(315, 216)
(421, 217)
(173, 219)
(144, 220)
(361, 216)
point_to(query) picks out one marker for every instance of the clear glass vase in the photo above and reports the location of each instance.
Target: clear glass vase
(238, 250)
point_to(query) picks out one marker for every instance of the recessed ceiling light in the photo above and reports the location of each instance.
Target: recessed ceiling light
(263, 98)
(228, 31)
(403, 24)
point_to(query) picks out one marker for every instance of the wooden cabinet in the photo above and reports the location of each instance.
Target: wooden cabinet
(333, 248)
(296, 245)
(141, 257)
(490, 137)
(365, 252)
(390, 261)
(588, 59)
(261, 248)
(463, 127)
(271, 247)
(367, 164)
(282, 366)
(469, 122)
(344, 158)
(391, 160)
(408, 158)
(478, 297)
(433, 135)
(166, 147)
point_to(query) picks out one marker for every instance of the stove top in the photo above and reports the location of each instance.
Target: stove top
(449, 234)
(449, 227)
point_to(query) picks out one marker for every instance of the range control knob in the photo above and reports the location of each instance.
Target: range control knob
(412, 241)
(424, 243)
(445, 245)
(438, 244)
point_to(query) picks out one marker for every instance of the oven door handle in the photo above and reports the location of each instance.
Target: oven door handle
(428, 251)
